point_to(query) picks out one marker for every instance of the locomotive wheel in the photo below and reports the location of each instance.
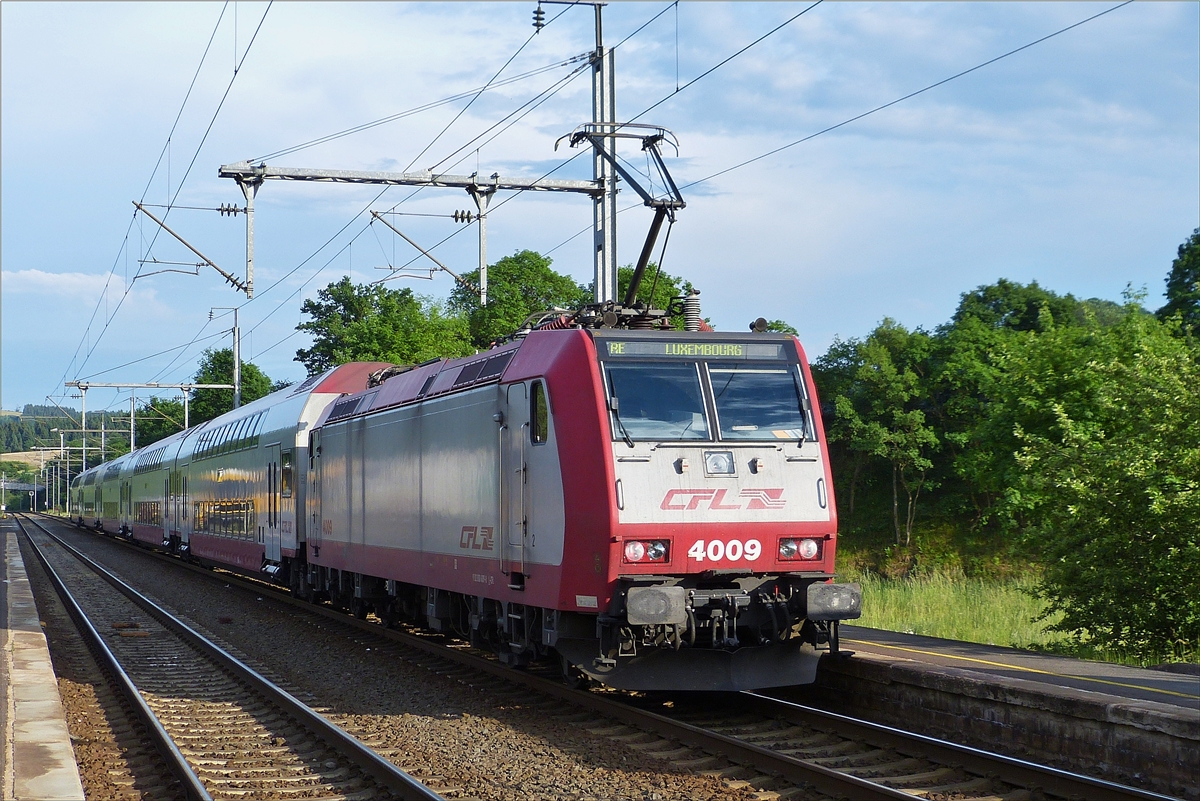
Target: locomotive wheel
(572, 676)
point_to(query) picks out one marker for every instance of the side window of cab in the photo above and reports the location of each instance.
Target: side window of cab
(539, 415)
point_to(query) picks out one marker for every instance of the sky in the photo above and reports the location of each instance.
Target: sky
(1074, 162)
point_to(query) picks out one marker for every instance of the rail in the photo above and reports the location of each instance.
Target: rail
(385, 773)
(827, 780)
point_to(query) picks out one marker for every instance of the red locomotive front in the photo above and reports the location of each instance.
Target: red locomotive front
(700, 525)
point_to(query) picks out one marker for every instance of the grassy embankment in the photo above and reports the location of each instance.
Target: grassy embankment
(946, 603)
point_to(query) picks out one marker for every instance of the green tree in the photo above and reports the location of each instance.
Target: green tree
(157, 418)
(370, 322)
(1021, 307)
(518, 286)
(1183, 285)
(656, 290)
(1111, 486)
(782, 327)
(879, 386)
(216, 367)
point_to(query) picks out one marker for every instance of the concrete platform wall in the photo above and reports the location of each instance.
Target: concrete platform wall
(1142, 743)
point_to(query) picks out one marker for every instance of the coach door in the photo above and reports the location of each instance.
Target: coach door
(166, 507)
(513, 486)
(312, 497)
(271, 531)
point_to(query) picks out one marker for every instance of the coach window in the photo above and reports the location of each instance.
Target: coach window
(285, 474)
(539, 413)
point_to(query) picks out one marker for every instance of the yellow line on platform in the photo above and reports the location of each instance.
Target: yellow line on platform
(1022, 668)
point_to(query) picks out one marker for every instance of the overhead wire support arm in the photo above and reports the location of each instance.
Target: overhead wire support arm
(664, 208)
(588, 132)
(462, 281)
(244, 171)
(232, 279)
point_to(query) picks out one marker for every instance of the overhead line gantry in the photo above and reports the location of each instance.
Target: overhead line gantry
(602, 187)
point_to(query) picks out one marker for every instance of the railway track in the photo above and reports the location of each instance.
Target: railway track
(225, 731)
(776, 748)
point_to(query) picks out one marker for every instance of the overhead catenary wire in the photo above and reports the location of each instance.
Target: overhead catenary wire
(413, 111)
(375, 199)
(141, 359)
(93, 345)
(864, 114)
(149, 183)
(908, 96)
(494, 208)
(494, 82)
(383, 191)
(475, 97)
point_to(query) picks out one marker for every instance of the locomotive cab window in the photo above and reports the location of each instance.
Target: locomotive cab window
(758, 401)
(539, 415)
(285, 474)
(656, 401)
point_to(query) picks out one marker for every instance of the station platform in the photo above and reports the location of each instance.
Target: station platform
(1129, 725)
(38, 762)
(1180, 688)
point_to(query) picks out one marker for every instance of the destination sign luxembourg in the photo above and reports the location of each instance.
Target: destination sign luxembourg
(696, 350)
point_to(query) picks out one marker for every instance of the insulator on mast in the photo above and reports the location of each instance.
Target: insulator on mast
(463, 216)
(691, 311)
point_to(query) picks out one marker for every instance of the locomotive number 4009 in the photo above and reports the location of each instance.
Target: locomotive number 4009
(716, 550)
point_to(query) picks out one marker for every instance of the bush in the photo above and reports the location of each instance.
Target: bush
(1110, 491)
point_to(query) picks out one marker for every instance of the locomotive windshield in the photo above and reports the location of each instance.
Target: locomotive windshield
(657, 401)
(674, 390)
(757, 401)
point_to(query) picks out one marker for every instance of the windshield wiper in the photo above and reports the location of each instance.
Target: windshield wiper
(615, 406)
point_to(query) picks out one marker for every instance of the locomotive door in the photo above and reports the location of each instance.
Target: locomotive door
(514, 487)
(271, 531)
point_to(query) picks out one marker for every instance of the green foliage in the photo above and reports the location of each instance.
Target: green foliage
(656, 290)
(158, 418)
(19, 472)
(161, 417)
(1110, 487)
(518, 286)
(1183, 286)
(1039, 430)
(782, 327)
(370, 322)
(945, 603)
(879, 385)
(1020, 307)
(33, 429)
(216, 367)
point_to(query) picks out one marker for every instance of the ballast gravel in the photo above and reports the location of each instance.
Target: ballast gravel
(465, 741)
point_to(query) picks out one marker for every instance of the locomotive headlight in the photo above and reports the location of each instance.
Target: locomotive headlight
(719, 463)
(792, 549)
(646, 551)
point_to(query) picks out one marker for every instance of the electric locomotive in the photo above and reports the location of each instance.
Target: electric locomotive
(652, 508)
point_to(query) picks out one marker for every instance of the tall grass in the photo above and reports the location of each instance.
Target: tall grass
(951, 605)
(993, 611)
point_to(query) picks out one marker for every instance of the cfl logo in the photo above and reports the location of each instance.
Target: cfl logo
(477, 538)
(680, 500)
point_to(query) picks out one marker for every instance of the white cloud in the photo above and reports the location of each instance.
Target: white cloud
(1074, 162)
